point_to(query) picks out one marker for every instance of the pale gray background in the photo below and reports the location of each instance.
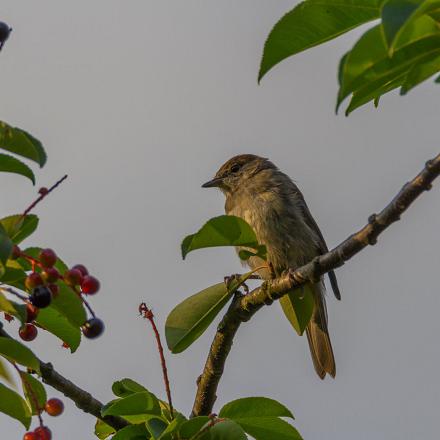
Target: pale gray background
(140, 102)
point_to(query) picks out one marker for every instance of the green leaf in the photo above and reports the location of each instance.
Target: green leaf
(12, 308)
(189, 319)
(193, 426)
(13, 277)
(269, 428)
(20, 142)
(126, 387)
(225, 230)
(132, 432)
(102, 430)
(156, 426)
(298, 307)
(5, 249)
(69, 304)
(54, 322)
(225, 430)
(17, 352)
(9, 164)
(254, 407)
(34, 391)
(34, 252)
(420, 72)
(172, 427)
(261, 252)
(135, 404)
(314, 22)
(14, 406)
(5, 374)
(18, 227)
(398, 15)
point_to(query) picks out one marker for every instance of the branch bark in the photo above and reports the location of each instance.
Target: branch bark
(82, 399)
(243, 307)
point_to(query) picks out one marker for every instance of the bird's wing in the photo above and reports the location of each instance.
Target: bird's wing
(322, 245)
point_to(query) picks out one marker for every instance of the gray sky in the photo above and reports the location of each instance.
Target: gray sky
(140, 102)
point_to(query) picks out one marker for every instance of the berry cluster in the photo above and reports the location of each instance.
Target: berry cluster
(42, 285)
(53, 407)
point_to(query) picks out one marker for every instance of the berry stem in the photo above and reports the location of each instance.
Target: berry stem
(84, 301)
(148, 314)
(42, 196)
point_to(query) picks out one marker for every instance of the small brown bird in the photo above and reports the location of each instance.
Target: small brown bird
(257, 191)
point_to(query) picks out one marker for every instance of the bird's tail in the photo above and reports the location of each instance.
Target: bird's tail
(318, 337)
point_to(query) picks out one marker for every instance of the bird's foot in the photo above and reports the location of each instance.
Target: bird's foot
(229, 280)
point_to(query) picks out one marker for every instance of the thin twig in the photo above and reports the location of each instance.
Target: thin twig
(243, 308)
(148, 314)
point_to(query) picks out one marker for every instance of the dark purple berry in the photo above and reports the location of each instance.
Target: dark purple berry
(41, 297)
(93, 328)
(5, 31)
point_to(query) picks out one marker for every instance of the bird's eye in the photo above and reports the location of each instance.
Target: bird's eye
(235, 168)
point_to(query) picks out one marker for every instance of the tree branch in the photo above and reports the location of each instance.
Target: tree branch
(82, 399)
(243, 307)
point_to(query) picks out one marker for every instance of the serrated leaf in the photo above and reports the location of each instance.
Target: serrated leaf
(17, 352)
(225, 230)
(193, 426)
(135, 404)
(18, 141)
(18, 227)
(132, 432)
(34, 391)
(14, 406)
(311, 23)
(12, 308)
(254, 407)
(102, 430)
(298, 307)
(125, 387)
(56, 323)
(189, 319)
(9, 164)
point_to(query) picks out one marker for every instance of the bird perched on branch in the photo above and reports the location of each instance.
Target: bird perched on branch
(268, 200)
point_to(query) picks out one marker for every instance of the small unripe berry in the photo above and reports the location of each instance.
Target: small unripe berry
(31, 312)
(73, 277)
(50, 275)
(90, 285)
(41, 297)
(48, 257)
(43, 191)
(43, 433)
(30, 436)
(28, 332)
(33, 280)
(9, 317)
(54, 407)
(93, 328)
(82, 269)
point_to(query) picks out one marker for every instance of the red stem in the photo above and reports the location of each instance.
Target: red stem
(143, 309)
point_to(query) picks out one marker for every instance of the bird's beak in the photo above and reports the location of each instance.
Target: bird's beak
(213, 183)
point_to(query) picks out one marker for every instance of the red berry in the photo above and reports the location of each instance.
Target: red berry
(90, 285)
(50, 275)
(82, 269)
(43, 191)
(31, 312)
(33, 280)
(28, 332)
(65, 345)
(16, 252)
(30, 436)
(48, 257)
(54, 407)
(43, 433)
(54, 288)
(93, 328)
(73, 277)
(9, 317)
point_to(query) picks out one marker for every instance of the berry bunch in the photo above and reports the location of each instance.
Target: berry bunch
(54, 407)
(42, 285)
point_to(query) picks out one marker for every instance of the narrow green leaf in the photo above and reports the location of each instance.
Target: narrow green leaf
(225, 230)
(17, 352)
(132, 432)
(254, 407)
(298, 308)
(34, 391)
(125, 387)
(189, 319)
(135, 404)
(311, 23)
(268, 428)
(14, 406)
(56, 323)
(20, 142)
(102, 430)
(18, 227)
(193, 426)
(12, 308)
(9, 164)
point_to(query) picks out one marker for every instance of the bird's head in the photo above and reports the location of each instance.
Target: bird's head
(237, 172)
